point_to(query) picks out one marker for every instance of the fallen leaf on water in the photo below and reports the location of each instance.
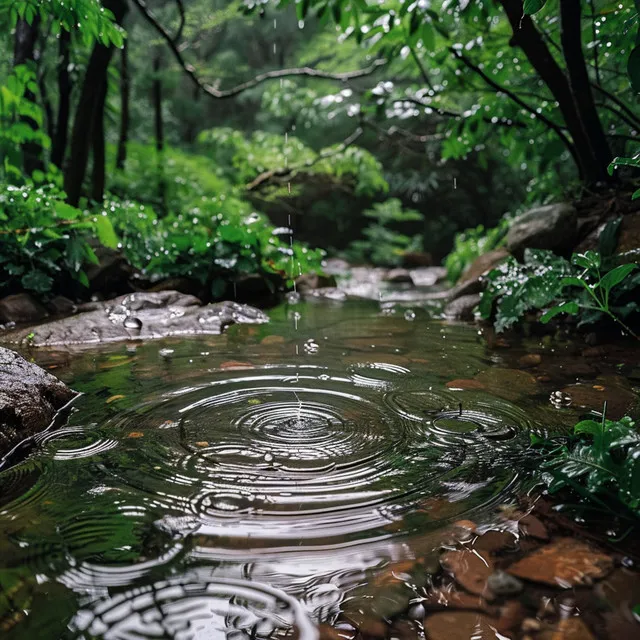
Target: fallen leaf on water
(465, 384)
(599, 387)
(253, 401)
(272, 340)
(202, 443)
(234, 364)
(114, 398)
(135, 434)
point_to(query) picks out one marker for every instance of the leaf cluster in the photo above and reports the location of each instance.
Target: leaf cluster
(590, 287)
(600, 462)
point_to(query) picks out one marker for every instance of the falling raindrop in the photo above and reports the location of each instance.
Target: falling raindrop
(165, 353)
(311, 346)
(293, 297)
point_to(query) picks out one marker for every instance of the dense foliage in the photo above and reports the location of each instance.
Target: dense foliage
(589, 287)
(375, 129)
(600, 463)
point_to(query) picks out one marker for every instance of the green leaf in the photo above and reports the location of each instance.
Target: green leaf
(616, 276)
(105, 232)
(566, 307)
(66, 211)
(37, 281)
(533, 6)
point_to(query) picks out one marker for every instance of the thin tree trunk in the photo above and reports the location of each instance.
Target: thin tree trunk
(98, 147)
(89, 112)
(26, 37)
(123, 138)
(529, 39)
(65, 86)
(156, 97)
(571, 39)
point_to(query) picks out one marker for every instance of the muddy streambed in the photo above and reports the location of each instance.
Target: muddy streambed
(283, 476)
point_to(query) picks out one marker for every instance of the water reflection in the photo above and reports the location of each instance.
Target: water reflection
(233, 488)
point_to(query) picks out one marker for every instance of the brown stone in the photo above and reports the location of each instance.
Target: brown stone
(460, 625)
(21, 308)
(593, 396)
(483, 264)
(530, 360)
(495, 541)
(509, 384)
(568, 629)
(462, 383)
(469, 569)
(532, 526)
(565, 563)
(450, 598)
(511, 616)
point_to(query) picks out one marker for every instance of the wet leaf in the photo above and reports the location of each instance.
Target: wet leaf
(114, 398)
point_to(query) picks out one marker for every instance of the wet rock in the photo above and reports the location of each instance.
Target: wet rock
(326, 293)
(462, 308)
(21, 308)
(29, 398)
(533, 527)
(629, 237)
(572, 628)
(509, 384)
(460, 625)
(336, 267)
(138, 316)
(310, 281)
(503, 584)
(511, 617)
(565, 563)
(530, 360)
(483, 264)
(398, 276)
(495, 541)
(593, 396)
(450, 597)
(428, 276)
(551, 227)
(62, 306)
(469, 569)
(464, 383)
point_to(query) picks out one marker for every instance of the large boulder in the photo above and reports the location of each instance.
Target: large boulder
(29, 399)
(553, 227)
(137, 316)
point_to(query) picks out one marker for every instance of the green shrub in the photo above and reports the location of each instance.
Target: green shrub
(600, 463)
(588, 286)
(381, 244)
(44, 240)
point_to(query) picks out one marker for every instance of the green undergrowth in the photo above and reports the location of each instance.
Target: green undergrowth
(599, 464)
(590, 287)
(471, 244)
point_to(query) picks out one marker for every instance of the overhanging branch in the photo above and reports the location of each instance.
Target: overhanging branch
(259, 79)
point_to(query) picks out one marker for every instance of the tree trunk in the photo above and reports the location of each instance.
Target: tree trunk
(571, 38)
(59, 144)
(98, 147)
(527, 37)
(156, 98)
(24, 53)
(123, 138)
(90, 111)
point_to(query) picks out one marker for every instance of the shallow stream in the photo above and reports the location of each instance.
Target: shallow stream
(247, 484)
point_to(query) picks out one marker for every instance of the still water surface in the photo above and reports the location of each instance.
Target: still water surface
(244, 485)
